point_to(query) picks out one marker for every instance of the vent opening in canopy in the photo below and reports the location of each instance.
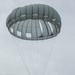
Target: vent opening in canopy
(28, 35)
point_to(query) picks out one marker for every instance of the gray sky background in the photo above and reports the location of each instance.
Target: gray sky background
(62, 58)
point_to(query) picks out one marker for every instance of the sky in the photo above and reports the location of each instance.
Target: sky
(54, 56)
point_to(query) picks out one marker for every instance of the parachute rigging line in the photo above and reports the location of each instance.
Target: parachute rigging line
(19, 49)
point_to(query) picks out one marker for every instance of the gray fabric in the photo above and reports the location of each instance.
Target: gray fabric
(26, 20)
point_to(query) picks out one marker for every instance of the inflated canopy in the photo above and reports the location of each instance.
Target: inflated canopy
(34, 22)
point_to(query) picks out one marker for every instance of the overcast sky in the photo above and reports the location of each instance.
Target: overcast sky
(59, 52)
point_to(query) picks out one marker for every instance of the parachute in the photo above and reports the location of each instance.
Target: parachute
(34, 22)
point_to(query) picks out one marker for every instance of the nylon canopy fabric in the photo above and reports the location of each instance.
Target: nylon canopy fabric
(34, 22)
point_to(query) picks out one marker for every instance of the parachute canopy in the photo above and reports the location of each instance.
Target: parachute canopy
(34, 22)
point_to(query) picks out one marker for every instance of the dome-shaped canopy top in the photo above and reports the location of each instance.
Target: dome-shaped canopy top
(34, 22)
